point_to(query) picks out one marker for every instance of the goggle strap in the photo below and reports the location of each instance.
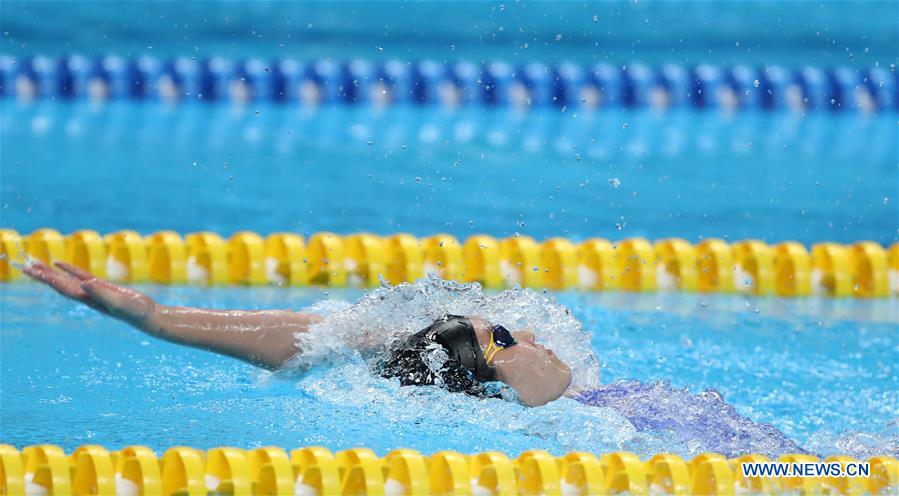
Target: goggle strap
(492, 349)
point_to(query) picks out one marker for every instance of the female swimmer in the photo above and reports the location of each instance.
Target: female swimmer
(460, 354)
(475, 351)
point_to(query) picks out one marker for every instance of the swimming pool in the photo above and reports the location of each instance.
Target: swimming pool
(778, 160)
(613, 174)
(175, 172)
(101, 383)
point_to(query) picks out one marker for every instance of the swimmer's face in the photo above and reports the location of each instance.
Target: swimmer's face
(533, 371)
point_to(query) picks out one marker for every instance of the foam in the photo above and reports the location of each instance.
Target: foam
(390, 313)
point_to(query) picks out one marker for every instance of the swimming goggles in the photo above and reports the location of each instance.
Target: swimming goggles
(500, 339)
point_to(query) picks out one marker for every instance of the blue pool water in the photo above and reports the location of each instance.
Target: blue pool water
(422, 170)
(822, 372)
(791, 33)
(819, 371)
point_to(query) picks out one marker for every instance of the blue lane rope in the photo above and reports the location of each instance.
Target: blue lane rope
(360, 82)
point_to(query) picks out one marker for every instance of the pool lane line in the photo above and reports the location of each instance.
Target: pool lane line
(864, 269)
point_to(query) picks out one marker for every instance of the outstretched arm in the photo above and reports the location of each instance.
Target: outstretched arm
(264, 338)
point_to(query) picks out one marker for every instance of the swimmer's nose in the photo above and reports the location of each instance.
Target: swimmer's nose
(525, 336)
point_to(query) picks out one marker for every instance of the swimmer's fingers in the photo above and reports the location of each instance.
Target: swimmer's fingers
(33, 267)
(124, 303)
(75, 271)
(111, 296)
(62, 282)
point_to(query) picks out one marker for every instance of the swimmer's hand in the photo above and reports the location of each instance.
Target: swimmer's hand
(104, 296)
(265, 338)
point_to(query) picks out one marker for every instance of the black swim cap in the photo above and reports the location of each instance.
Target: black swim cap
(457, 336)
(464, 370)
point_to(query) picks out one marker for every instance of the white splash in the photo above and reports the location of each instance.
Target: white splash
(563, 425)
(391, 313)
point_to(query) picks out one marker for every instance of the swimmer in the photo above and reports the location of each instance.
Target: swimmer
(460, 354)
